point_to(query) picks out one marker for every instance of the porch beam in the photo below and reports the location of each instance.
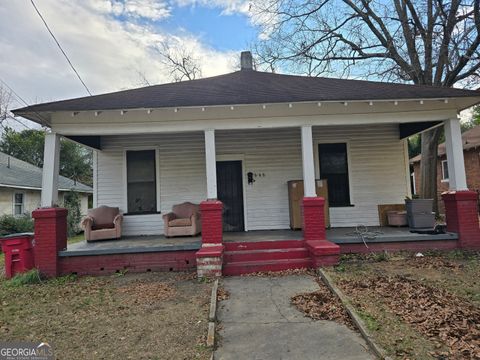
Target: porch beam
(308, 162)
(51, 164)
(211, 164)
(455, 162)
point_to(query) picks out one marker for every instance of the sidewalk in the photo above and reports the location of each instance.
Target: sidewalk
(258, 322)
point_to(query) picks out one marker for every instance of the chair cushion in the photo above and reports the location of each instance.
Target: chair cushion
(180, 222)
(103, 217)
(185, 210)
(96, 226)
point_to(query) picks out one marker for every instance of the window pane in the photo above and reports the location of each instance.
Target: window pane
(18, 210)
(334, 168)
(445, 170)
(141, 181)
(18, 198)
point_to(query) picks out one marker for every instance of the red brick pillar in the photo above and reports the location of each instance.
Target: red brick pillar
(210, 256)
(50, 238)
(461, 215)
(314, 218)
(322, 251)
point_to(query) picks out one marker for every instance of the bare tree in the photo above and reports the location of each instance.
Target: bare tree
(432, 42)
(5, 99)
(181, 62)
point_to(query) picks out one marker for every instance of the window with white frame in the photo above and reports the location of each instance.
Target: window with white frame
(18, 203)
(444, 170)
(141, 182)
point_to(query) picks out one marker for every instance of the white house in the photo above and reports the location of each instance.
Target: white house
(242, 136)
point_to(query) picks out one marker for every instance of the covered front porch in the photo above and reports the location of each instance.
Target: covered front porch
(372, 172)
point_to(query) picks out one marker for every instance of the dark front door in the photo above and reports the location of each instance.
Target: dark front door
(230, 192)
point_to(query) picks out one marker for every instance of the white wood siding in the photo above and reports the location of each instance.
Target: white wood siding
(377, 172)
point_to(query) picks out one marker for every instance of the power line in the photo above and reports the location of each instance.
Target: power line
(42, 119)
(60, 47)
(14, 93)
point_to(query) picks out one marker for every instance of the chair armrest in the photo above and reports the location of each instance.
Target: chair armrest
(87, 223)
(168, 217)
(118, 220)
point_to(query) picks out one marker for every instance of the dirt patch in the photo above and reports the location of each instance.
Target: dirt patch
(437, 314)
(322, 305)
(134, 316)
(147, 293)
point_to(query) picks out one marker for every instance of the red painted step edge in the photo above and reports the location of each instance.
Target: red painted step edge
(248, 267)
(263, 245)
(265, 255)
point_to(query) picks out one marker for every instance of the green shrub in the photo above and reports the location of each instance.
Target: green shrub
(10, 224)
(27, 278)
(72, 204)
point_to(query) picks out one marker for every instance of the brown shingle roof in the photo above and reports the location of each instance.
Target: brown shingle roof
(470, 140)
(249, 87)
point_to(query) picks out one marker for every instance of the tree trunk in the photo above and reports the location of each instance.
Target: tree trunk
(428, 165)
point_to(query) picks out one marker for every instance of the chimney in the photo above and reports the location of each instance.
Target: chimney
(246, 62)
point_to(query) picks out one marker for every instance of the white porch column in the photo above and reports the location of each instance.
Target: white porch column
(211, 164)
(454, 146)
(51, 163)
(308, 162)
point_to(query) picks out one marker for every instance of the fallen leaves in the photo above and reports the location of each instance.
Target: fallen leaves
(322, 305)
(148, 293)
(222, 294)
(436, 313)
(289, 272)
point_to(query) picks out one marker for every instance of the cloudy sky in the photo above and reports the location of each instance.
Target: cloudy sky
(114, 43)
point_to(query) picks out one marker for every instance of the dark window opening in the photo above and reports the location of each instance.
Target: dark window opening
(334, 168)
(141, 182)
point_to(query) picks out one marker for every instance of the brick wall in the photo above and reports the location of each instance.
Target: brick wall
(139, 262)
(472, 170)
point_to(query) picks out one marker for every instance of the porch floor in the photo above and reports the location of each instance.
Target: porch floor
(159, 243)
(382, 234)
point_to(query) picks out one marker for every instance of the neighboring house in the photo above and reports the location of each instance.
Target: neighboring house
(21, 185)
(471, 154)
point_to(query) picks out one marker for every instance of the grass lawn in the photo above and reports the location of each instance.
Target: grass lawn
(417, 307)
(75, 239)
(125, 316)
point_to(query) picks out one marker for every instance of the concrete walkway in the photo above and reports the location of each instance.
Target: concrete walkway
(258, 322)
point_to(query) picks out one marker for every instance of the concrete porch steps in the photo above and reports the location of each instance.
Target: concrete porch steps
(262, 245)
(246, 257)
(265, 254)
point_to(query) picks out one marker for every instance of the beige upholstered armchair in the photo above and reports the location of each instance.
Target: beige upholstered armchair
(103, 223)
(184, 220)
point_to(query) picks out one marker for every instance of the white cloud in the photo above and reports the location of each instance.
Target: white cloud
(105, 41)
(146, 9)
(228, 6)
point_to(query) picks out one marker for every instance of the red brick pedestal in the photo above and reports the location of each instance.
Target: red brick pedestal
(322, 251)
(50, 238)
(461, 213)
(210, 256)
